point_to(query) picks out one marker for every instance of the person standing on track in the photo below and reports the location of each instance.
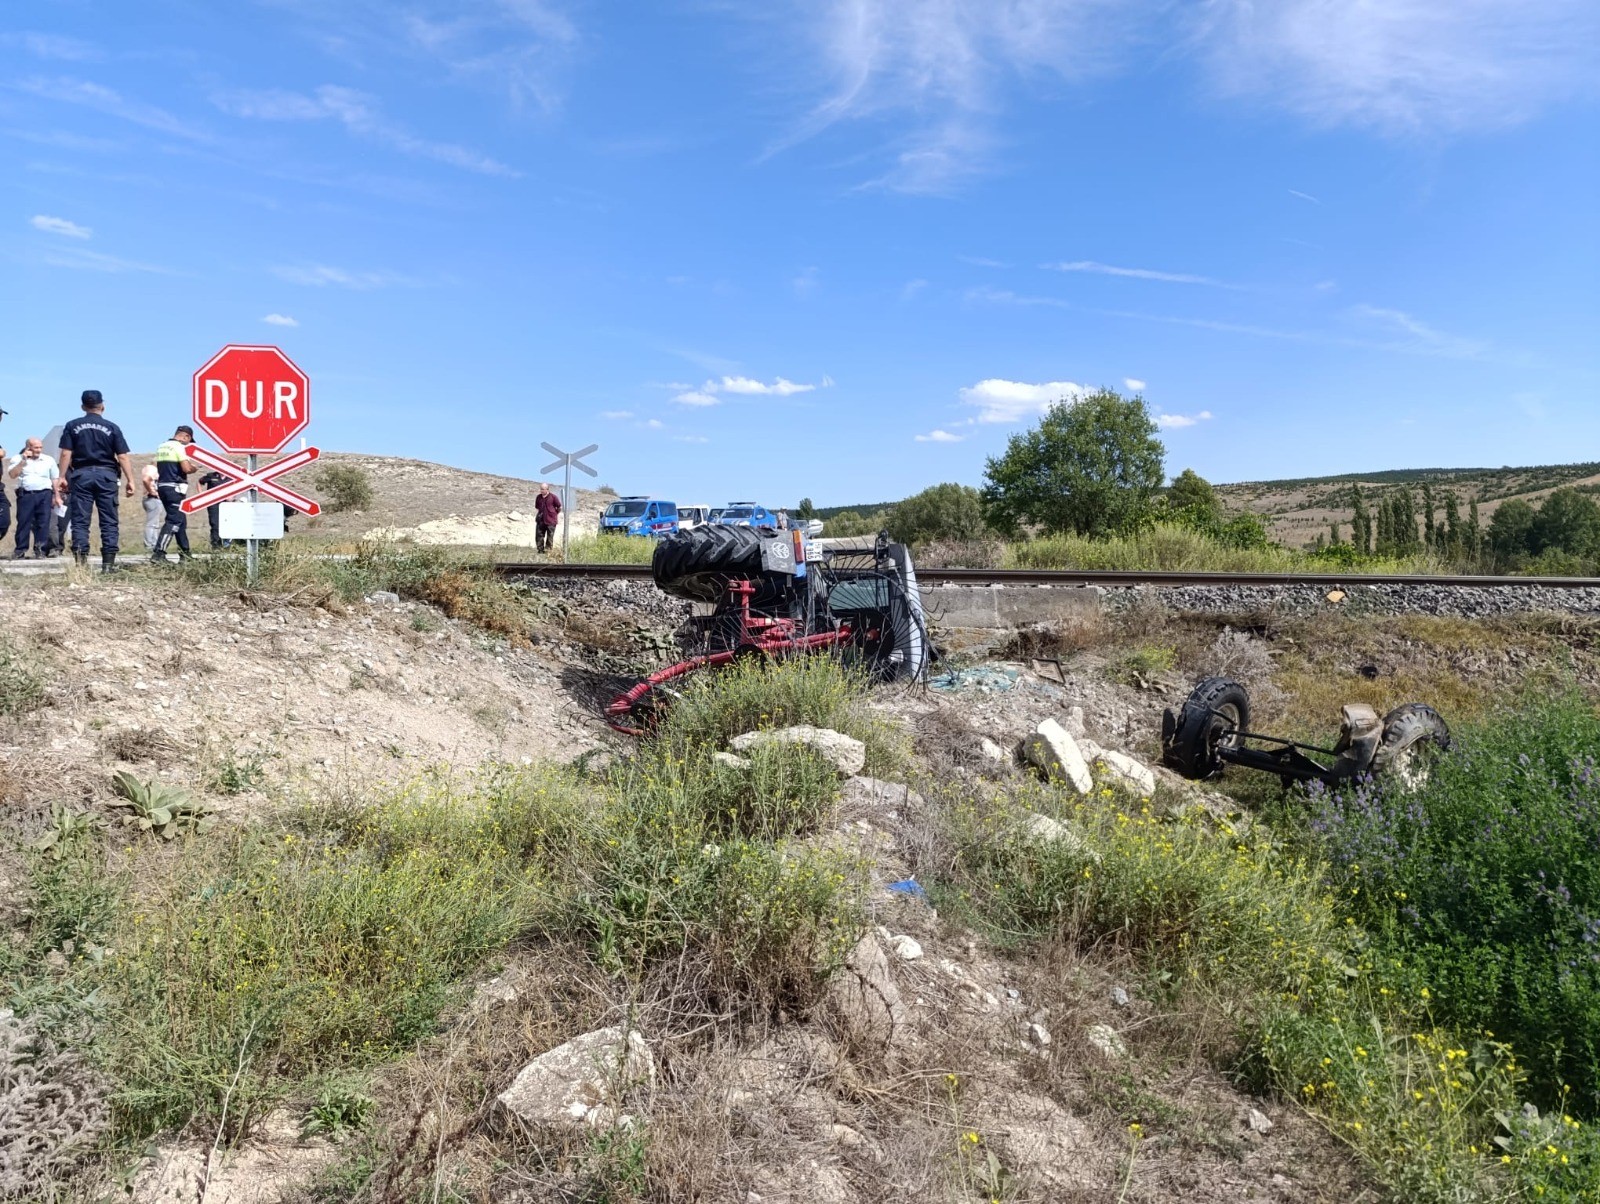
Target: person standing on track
(35, 474)
(546, 509)
(93, 454)
(173, 467)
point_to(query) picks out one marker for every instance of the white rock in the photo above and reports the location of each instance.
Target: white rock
(992, 751)
(847, 754)
(1090, 750)
(846, 1136)
(730, 760)
(863, 996)
(1039, 1035)
(1127, 770)
(1053, 831)
(905, 948)
(1074, 723)
(1057, 754)
(1259, 1122)
(1105, 1039)
(579, 1084)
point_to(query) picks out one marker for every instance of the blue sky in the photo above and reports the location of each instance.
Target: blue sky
(839, 248)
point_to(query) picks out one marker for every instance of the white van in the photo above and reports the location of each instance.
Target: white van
(693, 516)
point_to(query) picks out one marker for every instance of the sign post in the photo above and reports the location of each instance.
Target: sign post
(252, 400)
(568, 461)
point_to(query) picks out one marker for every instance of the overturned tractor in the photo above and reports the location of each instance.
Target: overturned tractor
(775, 594)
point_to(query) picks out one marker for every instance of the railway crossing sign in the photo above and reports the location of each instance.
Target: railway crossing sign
(252, 400)
(246, 480)
(567, 461)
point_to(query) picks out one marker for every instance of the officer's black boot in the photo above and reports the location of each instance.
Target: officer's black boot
(81, 557)
(108, 562)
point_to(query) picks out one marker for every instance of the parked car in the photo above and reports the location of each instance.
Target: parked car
(747, 514)
(690, 517)
(639, 516)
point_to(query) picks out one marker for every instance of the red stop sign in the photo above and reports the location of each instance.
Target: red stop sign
(251, 400)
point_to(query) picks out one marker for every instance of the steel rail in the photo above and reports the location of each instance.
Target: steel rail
(1112, 578)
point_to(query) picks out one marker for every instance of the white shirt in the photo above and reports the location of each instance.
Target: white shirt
(36, 473)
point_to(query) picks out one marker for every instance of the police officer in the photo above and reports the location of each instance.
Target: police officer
(93, 454)
(215, 480)
(172, 482)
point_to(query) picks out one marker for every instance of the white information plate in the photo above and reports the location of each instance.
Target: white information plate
(250, 520)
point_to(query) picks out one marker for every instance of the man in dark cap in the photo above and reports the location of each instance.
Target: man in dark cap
(172, 481)
(93, 454)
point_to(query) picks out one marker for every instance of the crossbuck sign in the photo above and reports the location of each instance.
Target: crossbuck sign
(567, 461)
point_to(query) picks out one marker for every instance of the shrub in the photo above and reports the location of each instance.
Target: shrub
(949, 512)
(345, 486)
(21, 684)
(1487, 880)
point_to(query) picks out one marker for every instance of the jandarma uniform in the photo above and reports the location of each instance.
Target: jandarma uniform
(172, 482)
(95, 443)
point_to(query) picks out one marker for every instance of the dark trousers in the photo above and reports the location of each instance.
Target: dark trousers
(92, 489)
(5, 512)
(544, 536)
(176, 526)
(213, 519)
(33, 520)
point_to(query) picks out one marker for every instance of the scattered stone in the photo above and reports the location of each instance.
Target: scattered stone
(1056, 753)
(847, 754)
(879, 799)
(992, 751)
(730, 760)
(383, 595)
(863, 997)
(1039, 1035)
(846, 1136)
(1128, 770)
(906, 948)
(579, 1084)
(1120, 997)
(1053, 831)
(1258, 1122)
(99, 691)
(1074, 722)
(1107, 1042)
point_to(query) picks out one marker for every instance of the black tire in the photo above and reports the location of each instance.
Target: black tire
(1216, 710)
(696, 564)
(1413, 735)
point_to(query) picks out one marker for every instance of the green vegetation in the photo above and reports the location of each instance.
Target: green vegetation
(939, 512)
(21, 683)
(610, 549)
(345, 486)
(1412, 990)
(1092, 467)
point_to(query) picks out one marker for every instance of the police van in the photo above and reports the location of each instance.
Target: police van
(639, 516)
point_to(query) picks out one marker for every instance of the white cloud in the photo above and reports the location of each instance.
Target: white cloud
(697, 397)
(1106, 269)
(1169, 422)
(616, 415)
(938, 436)
(1416, 335)
(1011, 401)
(1403, 65)
(359, 114)
(83, 259)
(655, 424)
(1133, 386)
(1304, 196)
(104, 100)
(280, 320)
(59, 225)
(979, 261)
(53, 46)
(691, 439)
(911, 288)
(320, 275)
(743, 384)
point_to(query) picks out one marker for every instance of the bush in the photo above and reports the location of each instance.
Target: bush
(949, 511)
(345, 486)
(1487, 881)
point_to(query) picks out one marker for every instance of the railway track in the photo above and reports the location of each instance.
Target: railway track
(1114, 579)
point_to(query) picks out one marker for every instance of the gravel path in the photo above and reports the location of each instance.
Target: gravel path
(1465, 602)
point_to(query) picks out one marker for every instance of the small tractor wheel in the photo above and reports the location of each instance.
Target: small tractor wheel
(1413, 735)
(1216, 711)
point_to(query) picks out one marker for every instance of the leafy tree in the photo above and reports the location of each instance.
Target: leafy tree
(1190, 493)
(947, 511)
(1568, 521)
(1360, 522)
(805, 509)
(345, 486)
(1511, 529)
(1091, 467)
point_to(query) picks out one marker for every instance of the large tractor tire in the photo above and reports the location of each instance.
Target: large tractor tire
(697, 564)
(1413, 736)
(1214, 714)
